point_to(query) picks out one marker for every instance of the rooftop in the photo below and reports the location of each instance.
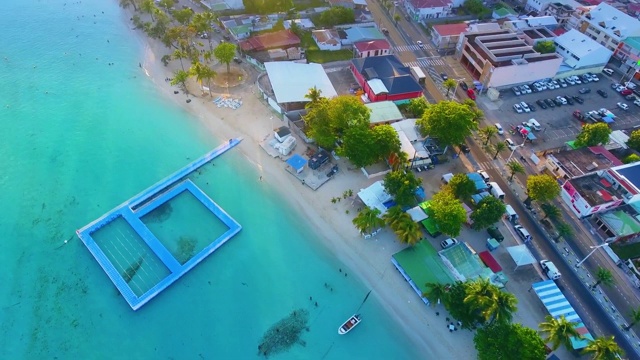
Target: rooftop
(278, 39)
(358, 33)
(372, 45)
(621, 222)
(291, 81)
(395, 77)
(450, 29)
(607, 17)
(426, 4)
(633, 42)
(384, 111)
(585, 160)
(596, 190)
(579, 44)
(541, 21)
(630, 172)
(326, 36)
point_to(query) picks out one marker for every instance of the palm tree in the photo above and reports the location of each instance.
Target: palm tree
(314, 95)
(125, 4)
(180, 54)
(500, 146)
(435, 293)
(604, 348)
(396, 18)
(368, 219)
(488, 132)
(564, 231)
(604, 276)
(449, 84)
(481, 295)
(393, 215)
(202, 72)
(550, 211)
(502, 308)
(180, 77)
(514, 168)
(407, 230)
(148, 7)
(559, 331)
(635, 318)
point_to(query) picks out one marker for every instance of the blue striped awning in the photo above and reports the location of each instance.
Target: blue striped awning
(557, 305)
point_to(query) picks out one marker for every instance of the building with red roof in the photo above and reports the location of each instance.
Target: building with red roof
(385, 78)
(282, 39)
(446, 36)
(364, 49)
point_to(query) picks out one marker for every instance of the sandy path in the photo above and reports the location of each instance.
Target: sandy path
(370, 259)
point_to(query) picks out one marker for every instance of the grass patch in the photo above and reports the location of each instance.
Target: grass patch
(325, 56)
(624, 252)
(307, 42)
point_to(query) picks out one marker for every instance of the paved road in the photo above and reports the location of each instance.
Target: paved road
(589, 310)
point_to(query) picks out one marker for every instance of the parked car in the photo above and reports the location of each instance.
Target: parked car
(607, 71)
(562, 82)
(637, 102)
(420, 44)
(464, 86)
(525, 89)
(594, 77)
(237, 60)
(631, 98)
(584, 90)
(615, 85)
(523, 233)
(531, 107)
(630, 85)
(499, 128)
(619, 88)
(578, 99)
(570, 81)
(525, 107)
(623, 106)
(533, 123)
(549, 103)
(557, 102)
(495, 233)
(448, 243)
(471, 94)
(516, 90)
(602, 93)
(444, 76)
(464, 148)
(512, 146)
(517, 108)
(626, 92)
(569, 99)
(541, 104)
(484, 175)
(561, 99)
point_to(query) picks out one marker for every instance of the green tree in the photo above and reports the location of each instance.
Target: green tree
(551, 211)
(501, 309)
(449, 84)
(202, 23)
(448, 121)
(631, 159)
(545, 47)
(148, 6)
(455, 304)
(564, 231)
(407, 230)
(487, 133)
(396, 18)
(318, 123)
(481, 295)
(593, 134)
(336, 15)
(499, 147)
(202, 73)
(435, 293)
(488, 212)
(604, 348)
(393, 216)
(386, 141)
(166, 4)
(542, 188)
(180, 55)
(447, 212)
(125, 4)
(313, 95)
(358, 144)
(183, 16)
(417, 106)
(328, 120)
(509, 341)
(559, 331)
(635, 318)
(514, 168)
(634, 140)
(604, 277)
(368, 220)
(225, 52)
(476, 7)
(180, 77)
(402, 186)
(461, 186)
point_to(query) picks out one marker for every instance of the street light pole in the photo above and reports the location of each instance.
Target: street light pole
(514, 150)
(591, 253)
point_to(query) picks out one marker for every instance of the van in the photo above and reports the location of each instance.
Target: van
(510, 214)
(607, 71)
(496, 191)
(550, 269)
(523, 233)
(534, 124)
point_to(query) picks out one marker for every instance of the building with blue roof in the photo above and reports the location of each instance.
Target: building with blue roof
(385, 78)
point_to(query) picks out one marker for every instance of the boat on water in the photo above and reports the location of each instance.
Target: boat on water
(349, 324)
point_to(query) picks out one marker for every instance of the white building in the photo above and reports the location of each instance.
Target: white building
(419, 10)
(327, 39)
(580, 51)
(540, 6)
(608, 25)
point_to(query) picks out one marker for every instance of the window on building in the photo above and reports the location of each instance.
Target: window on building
(575, 57)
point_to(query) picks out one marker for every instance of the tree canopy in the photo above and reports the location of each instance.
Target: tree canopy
(631, 159)
(417, 106)
(542, 188)
(328, 119)
(509, 341)
(461, 186)
(634, 140)
(225, 52)
(402, 186)
(448, 121)
(267, 6)
(476, 7)
(487, 212)
(365, 146)
(336, 15)
(604, 348)
(593, 134)
(447, 212)
(545, 47)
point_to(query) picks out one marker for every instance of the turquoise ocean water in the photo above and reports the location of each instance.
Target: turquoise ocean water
(79, 136)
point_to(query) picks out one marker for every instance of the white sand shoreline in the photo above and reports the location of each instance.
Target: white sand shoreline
(369, 260)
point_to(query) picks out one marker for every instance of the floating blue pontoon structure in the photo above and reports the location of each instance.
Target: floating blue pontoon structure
(137, 251)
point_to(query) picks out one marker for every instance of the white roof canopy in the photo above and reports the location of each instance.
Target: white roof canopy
(291, 81)
(521, 255)
(375, 196)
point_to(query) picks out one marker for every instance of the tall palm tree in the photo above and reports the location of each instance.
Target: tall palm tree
(435, 293)
(604, 348)
(125, 4)
(604, 276)
(559, 331)
(488, 132)
(396, 18)
(564, 231)
(148, 7)
(180, 54)
(514, 168)
(481, 295)
(407, 231)
(550, 211)
(502, 308)
(368, 219)
(500, 146)
(635, 318)
(180, 77)
(314, 95)
(449, 84)
(393, 215)
(202, 73)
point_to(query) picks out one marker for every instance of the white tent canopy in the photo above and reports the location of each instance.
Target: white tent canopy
(375, 196)
(417, 214)
(521, 255)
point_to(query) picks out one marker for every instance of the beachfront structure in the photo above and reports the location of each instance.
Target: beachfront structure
(446, 36)
(581, 53)
(327, 39)
(501, 58)
(608, 25)
(420, 10)
(291, 81)
(385, 78)
(283, 39)
(368, 48)
(375, 196)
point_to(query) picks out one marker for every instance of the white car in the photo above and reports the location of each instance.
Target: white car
(525, 107)
(512, 146)
(637, 102)
(420, 44)
(630, 85)
(517, 108)
(594, 77)
(570, 81)
(448, 243)
(623, 106)
(562, 100)
(619, 88)
(607, 71)
(484, 175)
(500, 129)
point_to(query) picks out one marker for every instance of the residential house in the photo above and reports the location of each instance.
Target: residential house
(289, 82)
(580, 52)
(609, 26)
(504, 12)
(534, 35)
(385, 78)
(560, 11)
(421, 10)
(304, 24)
(540, 6)
(576, 18)
(446, 36)
(241, 26)
(500, 58)
(353, 33)
(327, 39)
(363, 49)
(349, 4)
(628, 52)
(282, 39)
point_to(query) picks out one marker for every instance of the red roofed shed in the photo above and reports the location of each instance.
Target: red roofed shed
(282, 39)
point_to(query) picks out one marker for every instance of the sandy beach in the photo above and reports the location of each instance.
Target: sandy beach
(369, 260)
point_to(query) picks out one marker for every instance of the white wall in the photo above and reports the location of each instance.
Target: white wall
(517, 74)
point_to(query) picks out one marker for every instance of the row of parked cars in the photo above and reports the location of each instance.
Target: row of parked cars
(549, 84)
(524, 107)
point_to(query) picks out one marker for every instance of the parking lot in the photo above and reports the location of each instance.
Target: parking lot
(558, 125)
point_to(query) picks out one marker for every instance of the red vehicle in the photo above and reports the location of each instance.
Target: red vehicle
(578, 115)
(471, 94)
(626, 92)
